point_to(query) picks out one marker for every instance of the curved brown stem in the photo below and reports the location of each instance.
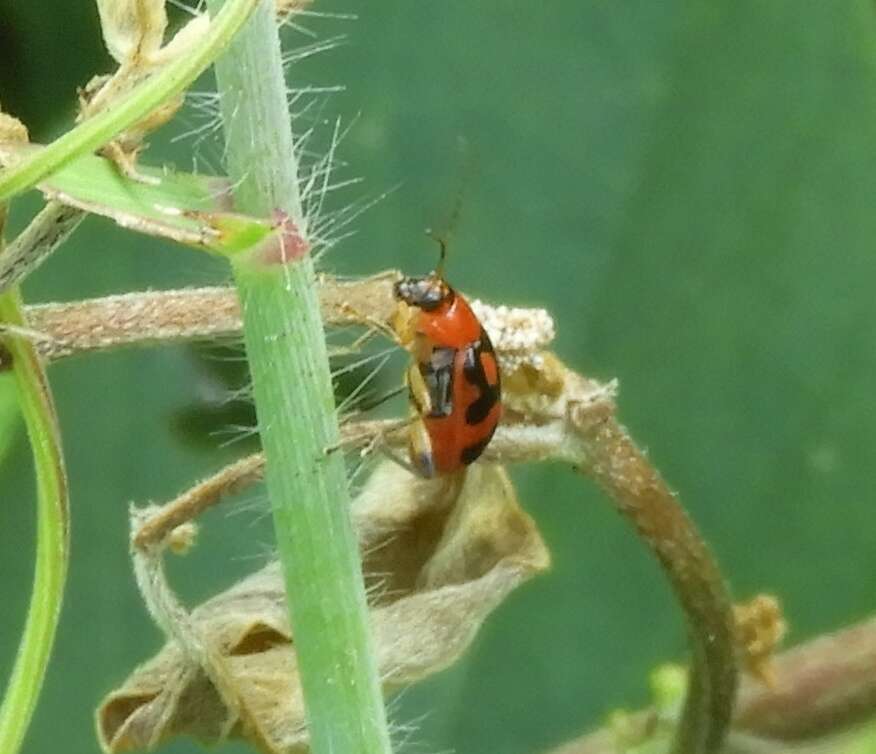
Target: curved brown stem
(641, 495)
(188, 506)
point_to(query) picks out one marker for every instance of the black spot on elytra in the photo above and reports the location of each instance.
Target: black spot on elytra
(473, 369)
(472, 452)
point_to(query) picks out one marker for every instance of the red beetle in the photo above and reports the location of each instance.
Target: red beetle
(453, 381)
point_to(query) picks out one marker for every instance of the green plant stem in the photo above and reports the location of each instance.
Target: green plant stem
(139, 103)
(292, 385)
(52, 544)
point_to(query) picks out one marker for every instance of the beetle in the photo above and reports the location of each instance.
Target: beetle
(453, 380)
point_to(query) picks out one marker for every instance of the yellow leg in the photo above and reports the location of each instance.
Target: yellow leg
(421, 448)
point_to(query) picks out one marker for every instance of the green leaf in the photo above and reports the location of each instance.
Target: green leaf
(191, 209)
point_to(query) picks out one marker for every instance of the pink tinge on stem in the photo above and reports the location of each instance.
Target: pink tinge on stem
(284, 246)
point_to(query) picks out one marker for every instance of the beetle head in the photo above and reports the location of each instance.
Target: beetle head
(427, 292)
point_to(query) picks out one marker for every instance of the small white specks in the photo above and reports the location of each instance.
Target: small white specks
(518, 334)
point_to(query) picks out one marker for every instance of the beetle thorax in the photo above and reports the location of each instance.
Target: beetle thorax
(427, 293)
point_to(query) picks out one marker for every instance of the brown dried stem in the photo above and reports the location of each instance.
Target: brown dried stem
(820, 688)
(582, 414)
(172, 616)
(188, 506)
(642, 496)
(135, 319)
(149, 317)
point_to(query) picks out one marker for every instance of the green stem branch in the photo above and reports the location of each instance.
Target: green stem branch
(286, 350)
(52, 544)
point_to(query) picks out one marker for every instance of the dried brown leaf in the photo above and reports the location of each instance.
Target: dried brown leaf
(760, 628)
(12, 129)
(441, 555)
(132, 29)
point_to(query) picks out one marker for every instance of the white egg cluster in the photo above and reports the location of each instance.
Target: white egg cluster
(518, 334)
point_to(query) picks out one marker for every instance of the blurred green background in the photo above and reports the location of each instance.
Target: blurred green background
(686, 185)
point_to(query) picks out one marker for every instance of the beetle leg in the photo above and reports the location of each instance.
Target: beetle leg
(419, 390)
(364, 406)
(421, 449)
(373, 435)
(374, 323)
(405, 464)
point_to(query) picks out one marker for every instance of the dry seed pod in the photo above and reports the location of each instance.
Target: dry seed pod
(760, 628)
(132, 29)
(183, 40)
(443, 554)
(12, 129)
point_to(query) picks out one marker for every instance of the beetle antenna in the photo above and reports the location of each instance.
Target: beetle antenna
(443, 239)
(442, 255)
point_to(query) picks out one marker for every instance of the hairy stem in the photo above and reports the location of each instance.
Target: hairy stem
(189, 314)
(286, 349)
(188, 506)
(52, 543)
(617, 465)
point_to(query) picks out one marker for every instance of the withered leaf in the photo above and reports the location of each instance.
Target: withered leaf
(440, 554)
(132, 28)
(12, 129)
